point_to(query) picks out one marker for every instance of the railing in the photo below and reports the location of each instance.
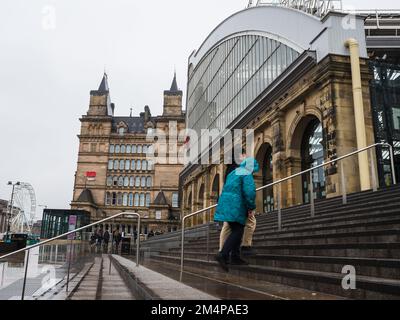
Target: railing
(27, 249)
(312, 200)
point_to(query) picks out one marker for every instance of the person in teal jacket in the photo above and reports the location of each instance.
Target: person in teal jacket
(235, 203)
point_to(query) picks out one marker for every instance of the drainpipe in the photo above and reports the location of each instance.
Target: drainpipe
(363, 166)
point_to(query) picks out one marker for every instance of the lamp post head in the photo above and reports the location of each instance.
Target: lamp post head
(9, 183)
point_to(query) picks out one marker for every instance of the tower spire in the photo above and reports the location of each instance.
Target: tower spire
(174, 85)
(104, 83)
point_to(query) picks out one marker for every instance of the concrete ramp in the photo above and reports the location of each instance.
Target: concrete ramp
(158, 286)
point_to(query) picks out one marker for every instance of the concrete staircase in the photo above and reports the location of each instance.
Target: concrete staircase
(308, 253)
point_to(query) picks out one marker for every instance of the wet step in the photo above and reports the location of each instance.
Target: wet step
(113, 286)
(230, 287)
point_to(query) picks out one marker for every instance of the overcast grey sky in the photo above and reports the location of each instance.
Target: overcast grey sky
(46, 73)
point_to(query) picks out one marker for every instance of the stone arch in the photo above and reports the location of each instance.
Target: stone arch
(298, 127)
(265, 198)
(215, 188)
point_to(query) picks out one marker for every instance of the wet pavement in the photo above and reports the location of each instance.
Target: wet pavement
(47, 266)
(103, 282)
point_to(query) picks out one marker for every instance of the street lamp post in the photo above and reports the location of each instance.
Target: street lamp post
(10, 183)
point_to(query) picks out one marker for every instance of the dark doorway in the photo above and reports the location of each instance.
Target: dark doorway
(312, 155)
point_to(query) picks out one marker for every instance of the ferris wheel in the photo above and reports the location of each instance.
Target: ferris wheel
(24, 208)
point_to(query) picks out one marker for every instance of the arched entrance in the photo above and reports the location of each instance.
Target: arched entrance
(215, 190)
(312, 155)
(265, 177)
(201, 217)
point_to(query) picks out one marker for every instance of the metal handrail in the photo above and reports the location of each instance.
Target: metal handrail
(27, 249)
(279, 182)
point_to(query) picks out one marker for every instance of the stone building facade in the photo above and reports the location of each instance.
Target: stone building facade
(115, 171)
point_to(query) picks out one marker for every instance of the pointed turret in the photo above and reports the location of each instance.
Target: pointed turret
(174, 85)
(100, 101)
(173, 99)
(104, 84)
(174, 91)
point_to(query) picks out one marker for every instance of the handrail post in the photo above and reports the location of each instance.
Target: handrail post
(279, 200)
(69, 263)
(208, 239)
(343, 182)
(138, 243)
(25, 275)
(373, 174)
(182, 247)
(112, 248)
(312, 204)
(392, 164)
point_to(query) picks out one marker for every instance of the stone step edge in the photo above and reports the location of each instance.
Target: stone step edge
(163, 287)
(370, 262)
(385, 285)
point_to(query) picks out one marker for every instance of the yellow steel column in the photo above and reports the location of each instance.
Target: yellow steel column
(352, 44)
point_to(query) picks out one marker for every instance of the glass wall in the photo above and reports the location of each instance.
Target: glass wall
(385, 101)
(231, 76)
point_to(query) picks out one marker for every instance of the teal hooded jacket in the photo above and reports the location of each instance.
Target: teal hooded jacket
(239, 194)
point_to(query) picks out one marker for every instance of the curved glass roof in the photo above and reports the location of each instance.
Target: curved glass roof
(231, 76)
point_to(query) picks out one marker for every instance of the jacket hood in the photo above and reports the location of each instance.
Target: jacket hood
(251, 165)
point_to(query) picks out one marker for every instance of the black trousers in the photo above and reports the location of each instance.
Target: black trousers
(233, 242)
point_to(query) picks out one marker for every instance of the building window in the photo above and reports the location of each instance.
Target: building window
(149, 165)
(125, 200)
(115, 181)
(137, 184)
(175, 200)
(143, 182)
(132, 182)
(114, 198)
(149, 182)
(133, 165)
(110, 164)
(142, 200)
(134, 148)
(128, 148)
(145, 148)
(144, 165)
(121, 131)
(116, 164)
(123, 149)
(148, 199)
(139, 165)
(119, 199)
(130, 200)
(117, 148)
(136, 199)
(127, 164)
(120, 181)
(121, 164)
(126, 181)
(112, 148)
(109, 181)
(93, 147)
(108, 199)
(139, 149)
